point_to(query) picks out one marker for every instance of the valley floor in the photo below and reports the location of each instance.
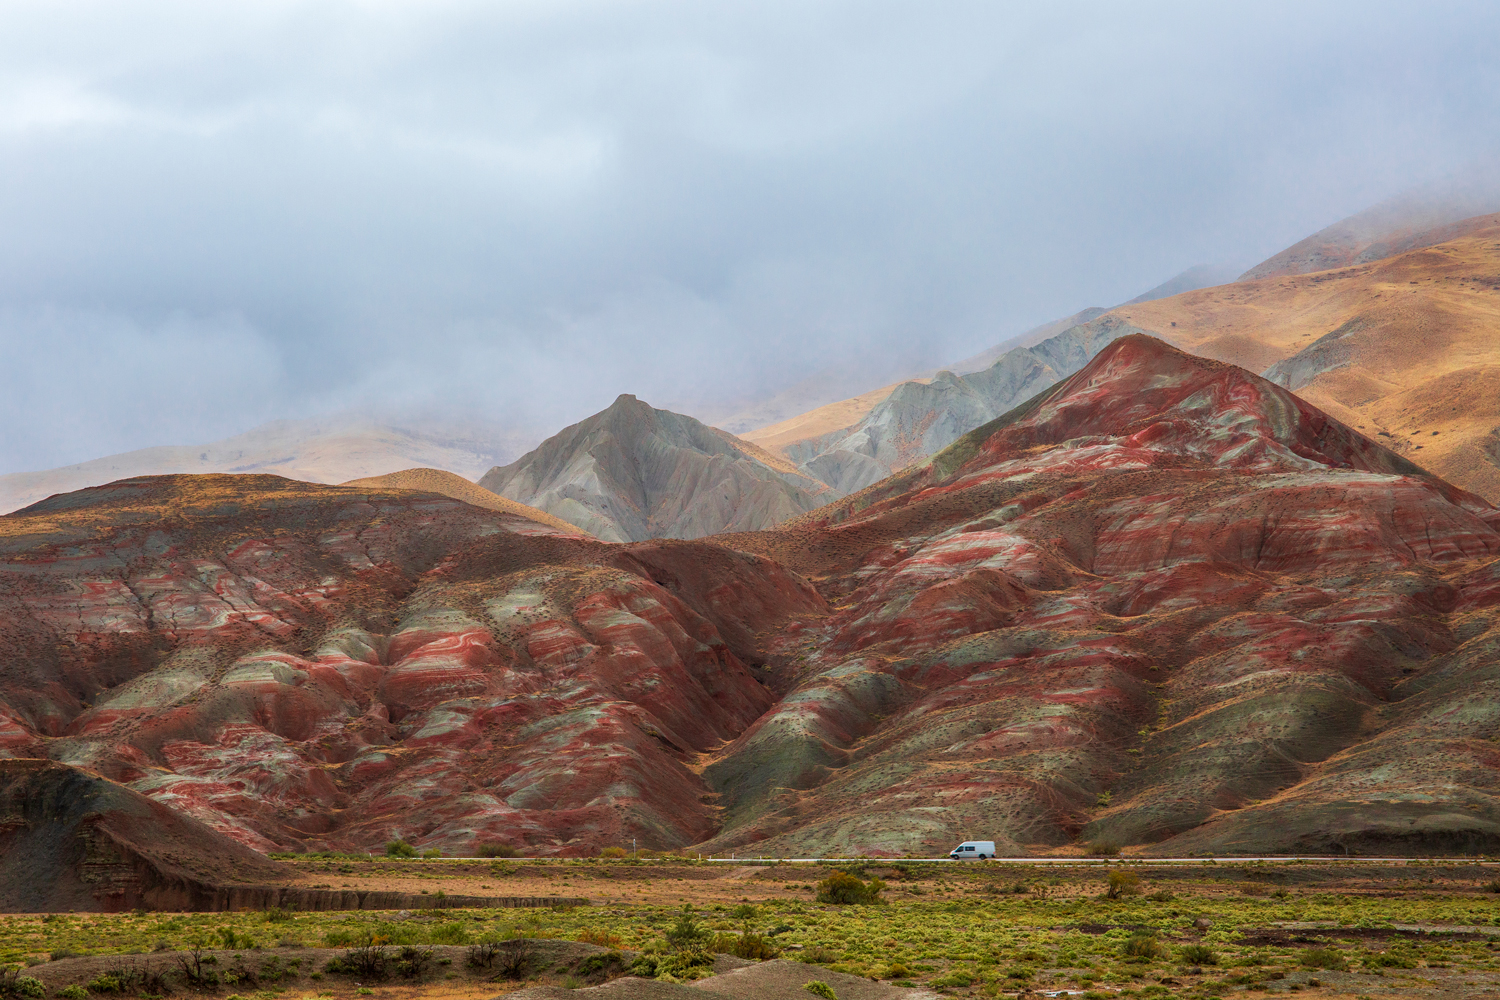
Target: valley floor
(1361, 929)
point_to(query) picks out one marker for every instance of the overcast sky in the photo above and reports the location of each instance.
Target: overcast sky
(212, 215)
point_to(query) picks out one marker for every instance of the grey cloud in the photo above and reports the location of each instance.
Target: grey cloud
(527, 208)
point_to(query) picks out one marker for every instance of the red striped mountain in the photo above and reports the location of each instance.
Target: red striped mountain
(1166, 603)
(634, 472)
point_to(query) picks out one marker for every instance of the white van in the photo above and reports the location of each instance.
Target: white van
(973, 850)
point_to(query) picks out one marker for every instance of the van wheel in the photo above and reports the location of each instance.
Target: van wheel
(984, 857)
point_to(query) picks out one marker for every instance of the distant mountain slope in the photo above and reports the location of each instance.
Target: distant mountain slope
(918, 419)
(324, 450)
(634, 472)
(1405, 223)
(452, 485)
(1406, 348)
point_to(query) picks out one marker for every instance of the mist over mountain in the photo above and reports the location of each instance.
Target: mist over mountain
(217, 219)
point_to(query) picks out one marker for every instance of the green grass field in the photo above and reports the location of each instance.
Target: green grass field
(967, 931)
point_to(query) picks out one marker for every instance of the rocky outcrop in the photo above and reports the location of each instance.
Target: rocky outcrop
(633, 472)
(919, 419)
(73, 840)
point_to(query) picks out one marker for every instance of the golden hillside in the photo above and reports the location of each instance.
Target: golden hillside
(1407, 349)
(450, 484)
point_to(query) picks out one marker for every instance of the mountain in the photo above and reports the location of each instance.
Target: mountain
(1165, 603)
(1407, 222)
(450, 485)
(326, 450)
(855, 442)
(633, 472)
(918, 419)
(1405, 348)
(292, 664)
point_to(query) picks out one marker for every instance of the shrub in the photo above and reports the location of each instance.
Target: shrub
(686, 932)
(1118, 884)
(193, 970)
(1142, 947)
(817, 954)
(614, 852)
(1161, 896)
(104, 983)
(514, 959)
(412, 961)
(1395, 958)
(497, 851)
(602, 938)
(399, 849)
(276, 915)
(746, 945)
(73, 992)
(1103, 848)
(958, 977)
(432, 852)
(818, 988)
(1323, 958)
(844, 889)
(1199, 954)
(598, 967)
(366, 958)
(230, 939)
(454, 933)
(482, 955)
(13, 984)
(897, 970)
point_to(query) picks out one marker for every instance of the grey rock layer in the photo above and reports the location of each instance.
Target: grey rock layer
(634, 472)
(918, 420)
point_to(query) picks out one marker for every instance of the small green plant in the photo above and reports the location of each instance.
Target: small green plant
(818, 988)
(958, 977)
(1103, 848)
(73, 991)
(744, 945)
(1198, 954)
(602, 965)
(1323, 958)
(1119, 884)
(614, 852)
(817, 954)
(1103, 800)
(276, 915)
(104, 983)
(13, 984)
(432, 852)
(1393, 958)
(686, 932)
(411, 961)
(843, 889)
(1142, 947)
(399, 849)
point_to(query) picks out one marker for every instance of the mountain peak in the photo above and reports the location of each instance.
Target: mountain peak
(633, 472)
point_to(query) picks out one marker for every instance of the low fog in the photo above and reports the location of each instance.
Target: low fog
(215, 215)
